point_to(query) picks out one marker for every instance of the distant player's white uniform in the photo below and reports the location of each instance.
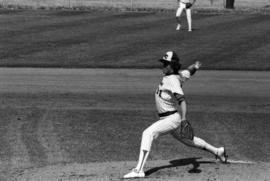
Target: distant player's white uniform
(166, 105)
(185, 1)
(181, 7)
(182, 3)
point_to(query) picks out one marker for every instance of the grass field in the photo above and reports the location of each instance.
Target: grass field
(129, 39)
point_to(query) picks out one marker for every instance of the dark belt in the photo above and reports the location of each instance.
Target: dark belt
(166, 113)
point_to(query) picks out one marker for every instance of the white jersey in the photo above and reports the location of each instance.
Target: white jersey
(186, 1)
(170, 84)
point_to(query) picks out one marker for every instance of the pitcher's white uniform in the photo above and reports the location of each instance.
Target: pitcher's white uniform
(166, 105)
(165, 100)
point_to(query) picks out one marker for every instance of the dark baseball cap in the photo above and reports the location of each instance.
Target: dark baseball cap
(169, 56)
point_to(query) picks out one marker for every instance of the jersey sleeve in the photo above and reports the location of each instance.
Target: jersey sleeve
(185, 75)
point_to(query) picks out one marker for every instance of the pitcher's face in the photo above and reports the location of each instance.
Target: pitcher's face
(167, 69)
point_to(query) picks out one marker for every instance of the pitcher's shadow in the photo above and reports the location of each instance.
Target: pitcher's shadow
(181, 162)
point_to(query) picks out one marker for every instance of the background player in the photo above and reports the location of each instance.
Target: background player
(184, 5)
(167, 97)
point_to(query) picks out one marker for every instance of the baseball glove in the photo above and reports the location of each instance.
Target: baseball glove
(184, 131)
(188, 5)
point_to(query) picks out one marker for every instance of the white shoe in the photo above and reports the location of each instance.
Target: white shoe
(178, 27)
(190, 30)
(221, 155)
(134, 174)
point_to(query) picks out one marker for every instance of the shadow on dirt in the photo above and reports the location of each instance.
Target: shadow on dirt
(181, 162)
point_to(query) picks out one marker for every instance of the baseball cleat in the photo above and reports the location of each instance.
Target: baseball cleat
(134, 174)
(221, 155)
(178, 27)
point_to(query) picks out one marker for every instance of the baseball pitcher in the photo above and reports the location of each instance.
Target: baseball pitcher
(169, 96)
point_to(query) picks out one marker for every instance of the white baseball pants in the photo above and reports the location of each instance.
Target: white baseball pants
(168, 125)
(179, 11)
(164, 126)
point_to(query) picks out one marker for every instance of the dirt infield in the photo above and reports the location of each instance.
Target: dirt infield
(85, 124)
(185, 169)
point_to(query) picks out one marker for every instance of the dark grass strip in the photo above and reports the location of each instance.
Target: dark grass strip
(129, 41)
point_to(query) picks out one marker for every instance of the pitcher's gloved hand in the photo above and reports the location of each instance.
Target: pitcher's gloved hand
(188, 5)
